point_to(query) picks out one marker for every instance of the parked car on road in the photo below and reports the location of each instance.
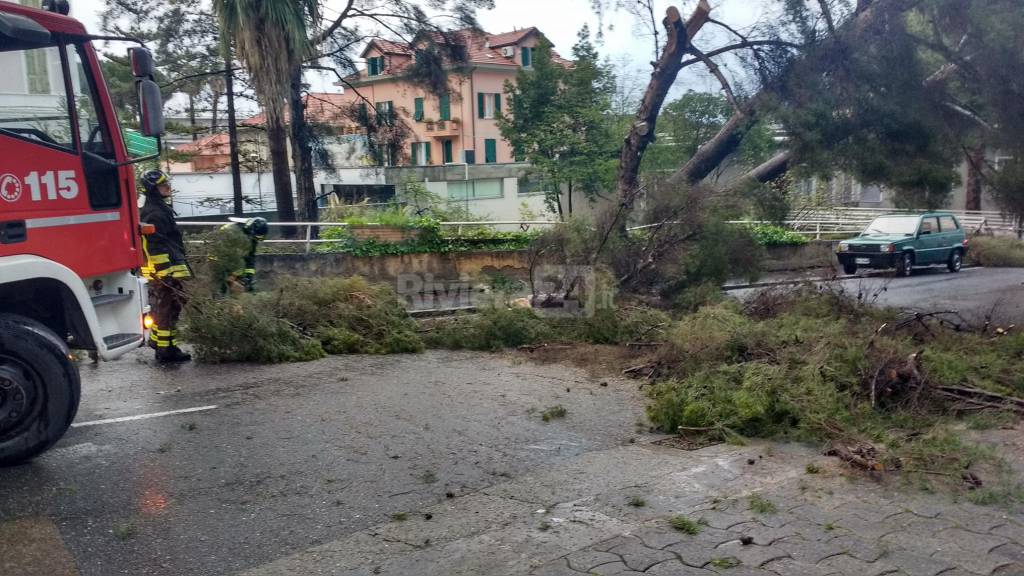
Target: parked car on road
(904, 241)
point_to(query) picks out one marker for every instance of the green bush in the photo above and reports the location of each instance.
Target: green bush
(430, 239)
(491, 329)
(302, 319)
(996, 251)
(770, 235)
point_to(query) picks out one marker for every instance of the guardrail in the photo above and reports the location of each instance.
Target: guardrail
(308, 241)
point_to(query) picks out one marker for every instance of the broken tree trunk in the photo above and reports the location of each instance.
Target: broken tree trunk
(712, 153)
(641, 133)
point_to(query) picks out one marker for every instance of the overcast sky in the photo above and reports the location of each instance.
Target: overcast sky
(559, 20)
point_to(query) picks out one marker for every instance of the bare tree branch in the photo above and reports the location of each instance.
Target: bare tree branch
(826, 12)
(726, 87)
(323, 36)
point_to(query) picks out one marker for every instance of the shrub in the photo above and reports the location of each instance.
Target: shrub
(622, 325)
(491, 329)
(685, 525)
(996, 251)
(302, 319)
(771, 235)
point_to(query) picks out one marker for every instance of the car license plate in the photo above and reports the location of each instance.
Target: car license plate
(863, 260)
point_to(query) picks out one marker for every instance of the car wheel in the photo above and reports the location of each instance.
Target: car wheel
(906, 264)
(39, 389)
(956, 261)
(850, 268)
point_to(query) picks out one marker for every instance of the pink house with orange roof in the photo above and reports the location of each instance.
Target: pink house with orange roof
(460, 127)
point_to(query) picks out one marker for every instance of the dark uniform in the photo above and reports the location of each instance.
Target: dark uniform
(255, 229)
(165, 267)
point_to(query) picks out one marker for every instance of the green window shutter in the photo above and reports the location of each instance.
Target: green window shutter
(497, 105)
(415, 157)
(371, 67)
(445, 104)
(446, 151)
(418, 110)
(527, 57)
(426, 153)
(389, 111)
(480, 104)
(490, 151)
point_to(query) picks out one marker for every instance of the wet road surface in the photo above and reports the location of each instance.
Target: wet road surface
(291, 456)
(974, 292)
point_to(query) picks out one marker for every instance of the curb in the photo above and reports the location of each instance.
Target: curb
(872, 274)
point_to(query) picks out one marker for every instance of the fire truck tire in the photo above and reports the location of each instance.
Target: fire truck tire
(39, 389)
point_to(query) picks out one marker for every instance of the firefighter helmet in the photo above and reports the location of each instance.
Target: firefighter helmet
(153, 179)
(256, 227)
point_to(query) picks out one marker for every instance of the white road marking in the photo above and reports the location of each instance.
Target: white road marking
(142, 416)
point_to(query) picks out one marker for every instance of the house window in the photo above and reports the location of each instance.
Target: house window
(527, 57)
(490, 151)
(531, 184)
(444, 104)
(375, 66)
(421, 153)
(385, 111)
(417, 114)
(37, 70)
(488, 105)
(446, 150)
(475, 189)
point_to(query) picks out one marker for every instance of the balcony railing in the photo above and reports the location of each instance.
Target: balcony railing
(443, 128)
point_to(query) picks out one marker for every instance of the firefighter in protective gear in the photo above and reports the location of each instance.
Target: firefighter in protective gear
(165, 267)
(256, 230)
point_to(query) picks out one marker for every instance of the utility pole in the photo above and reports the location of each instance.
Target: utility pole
(236, 176)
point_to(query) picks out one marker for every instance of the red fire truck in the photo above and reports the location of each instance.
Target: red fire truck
(69, 228)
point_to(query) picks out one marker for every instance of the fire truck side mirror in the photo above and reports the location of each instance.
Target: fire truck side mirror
(151, 108)
(142, 62)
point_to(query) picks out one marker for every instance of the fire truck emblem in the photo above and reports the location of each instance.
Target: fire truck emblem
(10, 187)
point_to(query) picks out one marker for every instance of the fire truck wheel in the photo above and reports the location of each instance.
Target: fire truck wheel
(39, 388)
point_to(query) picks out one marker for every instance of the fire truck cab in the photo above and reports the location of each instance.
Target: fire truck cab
(69, 228)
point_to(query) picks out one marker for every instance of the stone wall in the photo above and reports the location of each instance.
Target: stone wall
(814, 254)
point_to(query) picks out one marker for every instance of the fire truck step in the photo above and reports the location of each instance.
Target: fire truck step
(104, 299)
(121, 340)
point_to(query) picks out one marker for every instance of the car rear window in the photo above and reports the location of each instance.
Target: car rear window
(948, 224)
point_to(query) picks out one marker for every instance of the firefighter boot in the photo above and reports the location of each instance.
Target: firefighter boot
(172, 355)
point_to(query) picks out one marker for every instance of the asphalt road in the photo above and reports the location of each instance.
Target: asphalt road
(292, 456)
(974, 292)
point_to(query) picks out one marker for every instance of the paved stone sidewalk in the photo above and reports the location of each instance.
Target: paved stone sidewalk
(849, 530)
(577, 519)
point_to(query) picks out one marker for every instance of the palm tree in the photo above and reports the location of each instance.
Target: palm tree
(271, 39)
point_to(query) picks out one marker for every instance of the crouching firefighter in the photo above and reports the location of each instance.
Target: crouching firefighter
(255, 229)
(165, 267)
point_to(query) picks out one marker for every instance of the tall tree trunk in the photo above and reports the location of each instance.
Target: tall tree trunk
(277, 142)
(214, 110)
(302, 150)
(236, 176)
(641, 133)
(569, 199)
(192, 116)
(973, 186)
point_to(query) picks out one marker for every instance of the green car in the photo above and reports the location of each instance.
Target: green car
(903, 241)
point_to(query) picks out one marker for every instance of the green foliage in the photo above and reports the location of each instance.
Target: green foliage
(553, 413)
(556, 120)
(761, 505)
(240, 330)
(722, 252)
(492, 329)
(430, 239)
(996, 251)
(769, 235)
(636, 501)
(685, 525)
(302, 319)
(619, 325)
(802, 371)
(725, 563)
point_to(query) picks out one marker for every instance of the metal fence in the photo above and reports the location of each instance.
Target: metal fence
(306, 228)
(814, 222)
